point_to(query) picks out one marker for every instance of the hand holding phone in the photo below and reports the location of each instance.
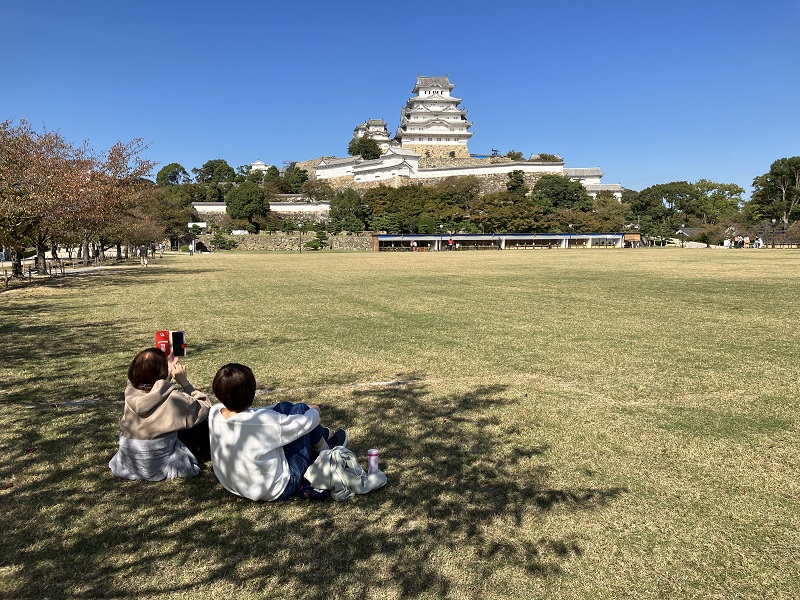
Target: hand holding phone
(178, 371)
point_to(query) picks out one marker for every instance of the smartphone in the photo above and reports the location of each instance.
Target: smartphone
(178, 343)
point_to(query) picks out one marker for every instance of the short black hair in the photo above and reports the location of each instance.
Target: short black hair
(235, 386)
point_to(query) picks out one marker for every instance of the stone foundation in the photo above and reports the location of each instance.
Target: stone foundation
(438, 150)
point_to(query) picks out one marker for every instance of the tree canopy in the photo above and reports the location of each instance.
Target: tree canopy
(365, 147)
(776, 193)
(215, 171)
(172, 174)
(248, 201)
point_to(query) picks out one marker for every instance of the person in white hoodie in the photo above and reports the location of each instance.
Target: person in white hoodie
(263, 453)
(164, 430)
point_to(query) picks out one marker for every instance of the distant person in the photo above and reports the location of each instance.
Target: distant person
(263, 453)
(161, 250)
(164, 430)
(143, 254)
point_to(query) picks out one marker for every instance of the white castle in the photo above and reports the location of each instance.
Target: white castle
(434, 130)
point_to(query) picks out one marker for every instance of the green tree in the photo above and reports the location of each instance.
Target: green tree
(317, 190)
(248, 201)
(426, 224)
(172, 174)
(347, 205)
(776, 194)
(674, 197)
(214, 171)
(295, 178)
(714, 202)
(365, 147)
(516, 183)
(319, 241)
(563, 192)
(514, 155)
(386, 221)
(610, 213)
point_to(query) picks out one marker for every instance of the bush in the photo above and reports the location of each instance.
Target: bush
(550, 157)
(184, 248)
(220, 242)
(319, 242)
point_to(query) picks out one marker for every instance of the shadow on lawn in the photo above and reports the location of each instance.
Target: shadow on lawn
(43, 336)
(462, 491)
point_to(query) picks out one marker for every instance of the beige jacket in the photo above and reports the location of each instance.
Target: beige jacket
(162, 410)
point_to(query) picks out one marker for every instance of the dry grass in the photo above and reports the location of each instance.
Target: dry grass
(572, 424)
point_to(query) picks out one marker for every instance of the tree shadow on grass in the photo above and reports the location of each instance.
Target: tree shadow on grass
(122, 275)
(462, 487)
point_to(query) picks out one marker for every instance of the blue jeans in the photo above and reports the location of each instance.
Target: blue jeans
(298, 452)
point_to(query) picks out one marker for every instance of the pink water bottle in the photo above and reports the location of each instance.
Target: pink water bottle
(372, 460)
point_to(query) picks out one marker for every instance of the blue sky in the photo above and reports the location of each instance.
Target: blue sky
(651, 92)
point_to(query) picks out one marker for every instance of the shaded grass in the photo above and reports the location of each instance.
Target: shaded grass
(577, 424)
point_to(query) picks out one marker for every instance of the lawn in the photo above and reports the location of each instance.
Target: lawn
(570, 424)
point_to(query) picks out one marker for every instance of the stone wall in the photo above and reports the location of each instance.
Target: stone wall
(291, 242)
(488, 183)
(438, 150)
(310, 166)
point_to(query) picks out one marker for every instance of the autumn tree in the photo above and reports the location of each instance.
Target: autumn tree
(40, 177)
(110, 193)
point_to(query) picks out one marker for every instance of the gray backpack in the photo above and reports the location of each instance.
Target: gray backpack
(338, 470)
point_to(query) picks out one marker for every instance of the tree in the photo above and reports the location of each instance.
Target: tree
(317, 190)
(426, 224)
(777, 193)
(516, 183)
(365, 147)
(563, 192)
(319, 242)
(172, 174)
(112, 192)
(674, 197)
(214, 171)
(345, 204)
(41, 176)
(714, 202)
(295, 178)
(514, 155)
(610, 213)
(248, 201)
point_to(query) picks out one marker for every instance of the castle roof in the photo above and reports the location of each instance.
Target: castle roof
(590, 172)
(428, 82)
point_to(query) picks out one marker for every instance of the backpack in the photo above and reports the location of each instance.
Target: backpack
(338, 470)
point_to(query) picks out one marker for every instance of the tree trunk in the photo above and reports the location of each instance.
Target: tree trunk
(41, 250)
(85, 251)
(16, 263)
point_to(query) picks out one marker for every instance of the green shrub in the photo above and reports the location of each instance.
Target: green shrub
(221, 242)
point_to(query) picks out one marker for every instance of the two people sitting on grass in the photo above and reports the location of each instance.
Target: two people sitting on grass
(257, 453)
(263, 453)
(164, 430)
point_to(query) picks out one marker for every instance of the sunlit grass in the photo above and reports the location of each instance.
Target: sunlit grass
(567, 423)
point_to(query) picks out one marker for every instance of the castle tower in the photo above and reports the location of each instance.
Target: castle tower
(375, 129)
(432, 124)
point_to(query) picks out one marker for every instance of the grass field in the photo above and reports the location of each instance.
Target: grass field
(569, 424)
